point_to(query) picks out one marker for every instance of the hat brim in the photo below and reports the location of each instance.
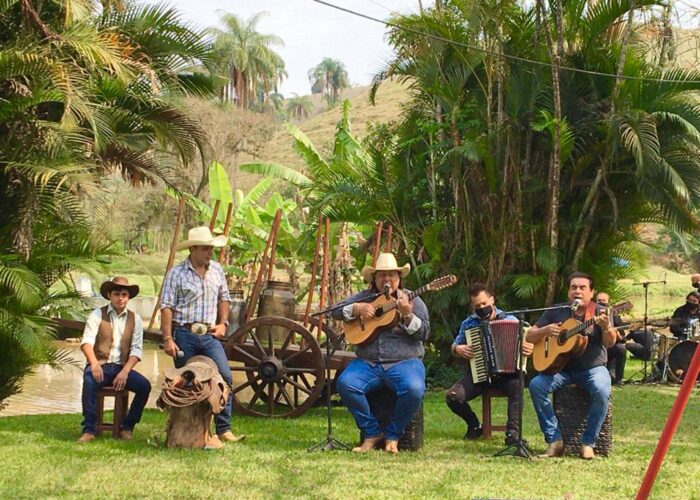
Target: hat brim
(369, 271)
(201, 371)
(216, 241)
(107, 287)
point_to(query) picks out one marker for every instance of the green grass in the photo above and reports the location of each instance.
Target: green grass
(41, 459)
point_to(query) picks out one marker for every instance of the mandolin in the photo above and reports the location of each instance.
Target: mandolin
(552, 353)
(358, 331)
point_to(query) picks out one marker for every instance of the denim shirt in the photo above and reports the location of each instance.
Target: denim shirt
(473, 321)
(391, 345)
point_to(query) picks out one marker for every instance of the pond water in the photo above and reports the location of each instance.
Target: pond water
(49, 390)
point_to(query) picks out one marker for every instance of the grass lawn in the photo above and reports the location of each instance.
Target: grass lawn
(41, 459)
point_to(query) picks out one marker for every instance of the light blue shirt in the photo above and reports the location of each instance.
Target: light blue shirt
(194, 299)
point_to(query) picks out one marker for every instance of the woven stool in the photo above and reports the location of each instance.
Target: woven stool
(489, 393)
(381, 403)
(121, 405)
(571, 405)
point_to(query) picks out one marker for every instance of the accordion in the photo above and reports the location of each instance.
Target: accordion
(495, 347)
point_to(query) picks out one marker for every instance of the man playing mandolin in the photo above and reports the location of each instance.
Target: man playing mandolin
(588, 370)
(392, 357)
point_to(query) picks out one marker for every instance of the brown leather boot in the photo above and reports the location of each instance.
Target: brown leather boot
(587, 452)
(554, 449)
(213, 443)
(391, 445)
(126, 435)
(369, 444)
(230, 437)
(86, 437)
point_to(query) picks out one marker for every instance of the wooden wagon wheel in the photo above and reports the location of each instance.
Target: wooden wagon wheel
(262, 349)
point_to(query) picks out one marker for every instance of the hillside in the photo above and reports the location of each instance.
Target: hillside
(321, 128)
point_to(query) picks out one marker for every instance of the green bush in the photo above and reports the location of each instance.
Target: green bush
(15, 363)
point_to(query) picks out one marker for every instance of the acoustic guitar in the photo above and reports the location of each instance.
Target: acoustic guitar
(552, 353)
(358, 331)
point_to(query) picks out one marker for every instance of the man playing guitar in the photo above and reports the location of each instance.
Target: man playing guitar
(393, 357)
(588, 371)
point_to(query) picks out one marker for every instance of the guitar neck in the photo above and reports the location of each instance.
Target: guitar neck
(411, 295)
(584, 325)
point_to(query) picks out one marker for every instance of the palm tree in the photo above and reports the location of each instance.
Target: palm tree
(83, 92)
(247, 59)
(329, 77)
(299, 107)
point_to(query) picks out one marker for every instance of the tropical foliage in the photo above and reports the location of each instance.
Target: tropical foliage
(85, 91)
(508, 170)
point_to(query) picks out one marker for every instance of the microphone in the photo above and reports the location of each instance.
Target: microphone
(575, 304)
(387, 289)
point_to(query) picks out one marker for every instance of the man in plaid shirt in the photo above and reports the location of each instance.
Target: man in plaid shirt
(194, 312)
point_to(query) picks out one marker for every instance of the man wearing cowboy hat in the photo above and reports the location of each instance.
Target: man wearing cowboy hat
(194, 312)
(113, 343)
(392, 358)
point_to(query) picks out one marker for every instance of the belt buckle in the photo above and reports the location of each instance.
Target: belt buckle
(199, 328)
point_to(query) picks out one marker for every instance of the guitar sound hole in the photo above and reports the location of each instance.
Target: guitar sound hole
(378, 312)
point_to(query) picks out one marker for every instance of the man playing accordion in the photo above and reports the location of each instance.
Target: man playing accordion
(466, 389)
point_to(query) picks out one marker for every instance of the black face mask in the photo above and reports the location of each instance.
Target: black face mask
(691, 305)
(484, 312)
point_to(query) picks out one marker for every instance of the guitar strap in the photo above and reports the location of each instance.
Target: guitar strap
(590, 311)
(589, 314)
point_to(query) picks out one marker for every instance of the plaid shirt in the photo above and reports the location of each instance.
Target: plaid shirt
(194, 299)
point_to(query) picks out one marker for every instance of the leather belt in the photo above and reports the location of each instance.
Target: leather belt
(196, 328)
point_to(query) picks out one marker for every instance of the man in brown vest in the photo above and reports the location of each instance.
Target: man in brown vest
(113, 344)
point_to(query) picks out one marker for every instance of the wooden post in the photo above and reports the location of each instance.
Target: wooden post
(214, 215)
(387, 248)
(273, 247)
(377, 242)
(314, 270)
(252, 301)
(227, 228)
(324, 277)
(171, 258)
(674, 417)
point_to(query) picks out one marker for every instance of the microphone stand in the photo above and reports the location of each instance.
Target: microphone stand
(646, 284)
(520, 448)
(330, 443)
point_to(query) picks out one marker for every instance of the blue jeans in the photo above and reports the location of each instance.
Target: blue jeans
(596, 381)
(135, 382)
(406, 379)
(206, 345)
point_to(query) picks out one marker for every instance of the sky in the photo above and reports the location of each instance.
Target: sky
(312, 31)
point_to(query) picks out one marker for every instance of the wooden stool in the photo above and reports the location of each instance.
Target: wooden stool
(486, 411)
(382, 403)
(571, 405)
(121, 406)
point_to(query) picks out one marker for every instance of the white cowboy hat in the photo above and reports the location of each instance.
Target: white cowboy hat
(201, 236)
(385, 262)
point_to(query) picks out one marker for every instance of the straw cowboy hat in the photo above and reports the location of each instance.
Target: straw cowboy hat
(201, 236)
(118, 283)
(202, 368)
(385, 262)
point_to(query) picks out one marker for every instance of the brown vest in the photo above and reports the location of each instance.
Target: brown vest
(105, 338)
